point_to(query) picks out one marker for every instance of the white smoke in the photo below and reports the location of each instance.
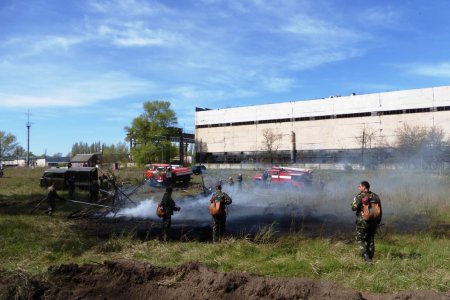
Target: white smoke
(251, 202)
(256, 205)
(146, 209)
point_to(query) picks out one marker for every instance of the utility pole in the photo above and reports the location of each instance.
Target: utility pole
(363, 146)
(28, 138)
(181, 147)
(293, 148)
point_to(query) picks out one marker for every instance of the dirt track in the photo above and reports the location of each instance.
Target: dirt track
(127, 279)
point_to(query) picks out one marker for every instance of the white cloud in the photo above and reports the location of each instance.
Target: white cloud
(197, 63)
(439, 70)
(135, 35)
(278, 84)
(130, 8)
(80, 90)
(381, 16)
(311, 58)
(64, 42)
(30, 101)
(25, 46)
(313, 28)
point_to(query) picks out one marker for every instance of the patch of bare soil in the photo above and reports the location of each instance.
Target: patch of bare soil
(128, 279)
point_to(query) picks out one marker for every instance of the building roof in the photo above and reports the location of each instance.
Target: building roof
(83, 157)
(70, 170)
(63, 159)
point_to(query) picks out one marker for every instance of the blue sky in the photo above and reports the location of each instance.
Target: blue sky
(84, 68)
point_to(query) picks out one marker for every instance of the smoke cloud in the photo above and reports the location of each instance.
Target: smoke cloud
(408, 199)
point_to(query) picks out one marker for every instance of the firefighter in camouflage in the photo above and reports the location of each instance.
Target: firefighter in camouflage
(219, 220)
(169, 208)
(365, 230)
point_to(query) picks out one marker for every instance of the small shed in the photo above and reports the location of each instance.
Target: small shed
(85, 160)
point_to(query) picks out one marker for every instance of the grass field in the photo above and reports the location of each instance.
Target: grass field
(405, 259)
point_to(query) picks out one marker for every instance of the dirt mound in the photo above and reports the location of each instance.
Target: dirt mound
(127, 279)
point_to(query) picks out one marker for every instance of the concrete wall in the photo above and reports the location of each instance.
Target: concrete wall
(333, 133)
(408, 99)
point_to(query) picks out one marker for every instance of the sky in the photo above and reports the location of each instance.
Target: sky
(83, 69)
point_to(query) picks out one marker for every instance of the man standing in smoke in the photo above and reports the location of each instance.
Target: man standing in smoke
(366, 226)
(239, 180)
(219, 200)
(169, 207)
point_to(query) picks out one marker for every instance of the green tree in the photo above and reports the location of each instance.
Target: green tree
(115, 153)
(7, 143)
(19, 151)
(150, 131)
(85, 148)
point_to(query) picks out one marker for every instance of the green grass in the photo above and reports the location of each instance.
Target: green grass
(402, 262)
(408, 261)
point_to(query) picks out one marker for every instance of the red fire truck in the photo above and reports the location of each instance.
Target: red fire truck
(276, 176)
(167, 174)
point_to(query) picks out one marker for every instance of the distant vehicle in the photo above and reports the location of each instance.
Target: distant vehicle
(295, 177)
(197, 170)
(83, 177)
(157, 174)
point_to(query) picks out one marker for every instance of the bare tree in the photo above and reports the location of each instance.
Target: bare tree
(419, 144)
(411, 138)
(271, 142)
(435, 137)
(366, 139)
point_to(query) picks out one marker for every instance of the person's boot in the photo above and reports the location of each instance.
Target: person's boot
(367, 257)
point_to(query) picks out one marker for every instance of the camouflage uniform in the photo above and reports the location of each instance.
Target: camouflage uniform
(365, 230)
(169, 208)
(219, 221)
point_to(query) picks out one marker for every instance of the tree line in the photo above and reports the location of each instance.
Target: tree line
(110, 153)
(148, 135)
(414, 145)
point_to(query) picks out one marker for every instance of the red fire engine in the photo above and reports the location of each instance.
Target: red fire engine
(166, 174)
(296, 177)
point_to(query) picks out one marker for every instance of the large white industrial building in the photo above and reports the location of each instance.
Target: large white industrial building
(335, 123)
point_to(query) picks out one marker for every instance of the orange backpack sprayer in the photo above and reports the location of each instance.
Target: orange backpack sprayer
(214, 207)
(160, 210)
(371, 211)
